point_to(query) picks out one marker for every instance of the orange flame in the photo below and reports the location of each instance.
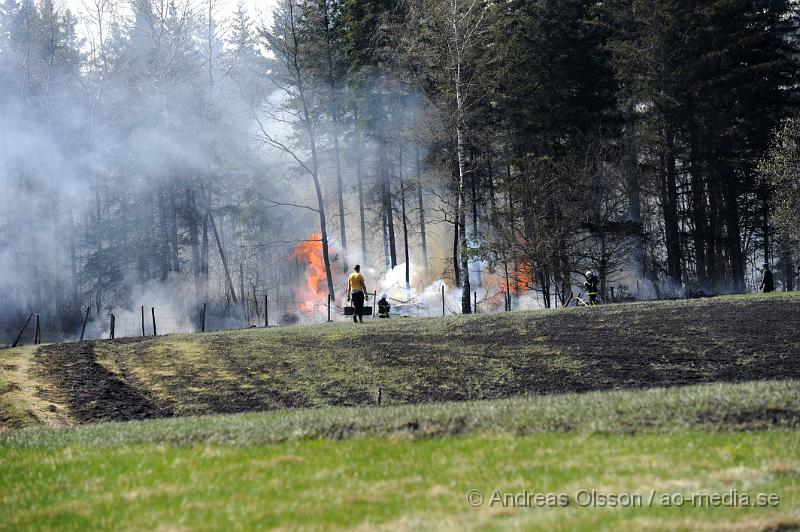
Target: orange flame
(522, 279)
(316, 289)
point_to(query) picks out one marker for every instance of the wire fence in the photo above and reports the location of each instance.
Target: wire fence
(148, 321)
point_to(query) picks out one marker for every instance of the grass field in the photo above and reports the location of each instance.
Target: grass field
(410, 360)
(413, 466)
(279, 428)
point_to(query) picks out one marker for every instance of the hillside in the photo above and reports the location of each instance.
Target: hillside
(495, 356)
(675, 399)
(341, 468)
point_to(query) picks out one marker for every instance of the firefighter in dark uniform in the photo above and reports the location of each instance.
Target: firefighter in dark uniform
(383, 307)
(590, 284)
(767, 283)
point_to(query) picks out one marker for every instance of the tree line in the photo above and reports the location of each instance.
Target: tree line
(157, 143)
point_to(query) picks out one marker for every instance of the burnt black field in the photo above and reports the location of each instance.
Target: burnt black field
(632, 346)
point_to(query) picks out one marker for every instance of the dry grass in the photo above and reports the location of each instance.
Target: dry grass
(21, 403)
(414, 361)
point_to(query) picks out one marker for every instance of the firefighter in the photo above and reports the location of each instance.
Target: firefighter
(383, 307)
(590, 284)
(767, 283)
(357, 290)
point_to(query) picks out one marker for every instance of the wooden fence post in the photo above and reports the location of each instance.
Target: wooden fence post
(143, 333)
(85, 319)
(111, 332)
(266, 309)
(374, 301)
(203, 319)
(475, 305)
(153, 311)
(22, 331)
(37, 333)
(329, 308)
(442, 300)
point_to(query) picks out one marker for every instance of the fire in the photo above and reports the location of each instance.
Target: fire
(522, 279)
(316, 289)
(519, 281)
(494, 288)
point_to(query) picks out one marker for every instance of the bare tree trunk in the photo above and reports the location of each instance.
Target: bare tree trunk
(713, 254)
(699, 215)
(242, 292)
(204, 248)
(405, 224)
(308, 124)
(765, 224)
(669, 204)
(191, 220)
(339, 191)
(466, 293)
(73, 263)
(564, 272)
(544, 281)
(255, 305)
(733, 237)
(224, 259)
(635, 201)
(98, 298)
(334, 111)
(386, 192)
(492, 198)
(323, 225)
(165, 258)
(173, 227)
(456, 267)
(474, 192)
(362, 220)
(603, 264)
(386, 253)
(421, 208)
(512, 218)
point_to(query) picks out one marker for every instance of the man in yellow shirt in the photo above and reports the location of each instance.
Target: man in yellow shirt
(357, 288)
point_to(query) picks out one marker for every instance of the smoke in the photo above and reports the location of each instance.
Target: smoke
(162, 301)
(119, 157)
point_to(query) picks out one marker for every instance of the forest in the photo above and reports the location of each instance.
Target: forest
(177, 155)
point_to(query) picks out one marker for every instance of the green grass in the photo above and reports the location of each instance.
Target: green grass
(711, 407)
(400, 484)
(411, 466)
(685, 398)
